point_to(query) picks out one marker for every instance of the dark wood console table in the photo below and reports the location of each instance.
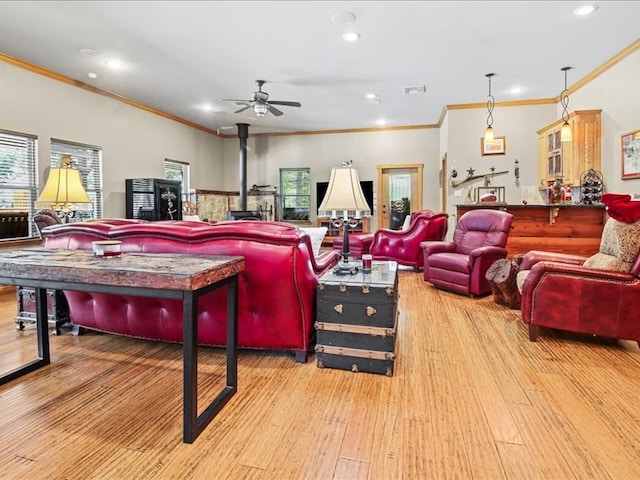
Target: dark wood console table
(183, 277)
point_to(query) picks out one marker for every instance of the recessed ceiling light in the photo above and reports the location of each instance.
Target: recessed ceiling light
(516, 90)
(382, 122)
(92, 75)
(351, 36)
(91, 52)
(585, 9)
(371, 96)
(115, 64)
(343, 18)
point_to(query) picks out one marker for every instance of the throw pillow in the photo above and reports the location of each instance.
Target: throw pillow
(407, 222)
(620, 239)
(619, 246)
(602, 261)
(316, 234)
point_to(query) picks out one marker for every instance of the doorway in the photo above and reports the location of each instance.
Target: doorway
(443, 183)
(399, 193)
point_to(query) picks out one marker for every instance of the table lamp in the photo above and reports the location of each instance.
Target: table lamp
(63, 190)
(344, 194)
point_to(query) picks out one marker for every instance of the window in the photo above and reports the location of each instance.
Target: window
(295, 189)
(175, 170)
(88, 160)
(18, 189)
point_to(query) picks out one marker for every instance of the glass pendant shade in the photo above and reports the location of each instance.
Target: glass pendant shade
(565, 133)
(488, 135)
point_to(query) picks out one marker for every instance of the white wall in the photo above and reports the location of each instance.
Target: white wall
(323, 151)
(617, 93)
(134, 142)
(519, 126)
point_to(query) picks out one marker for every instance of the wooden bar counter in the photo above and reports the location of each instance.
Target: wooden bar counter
(563, 228)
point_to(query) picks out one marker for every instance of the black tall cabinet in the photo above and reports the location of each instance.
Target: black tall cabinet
(153, 199)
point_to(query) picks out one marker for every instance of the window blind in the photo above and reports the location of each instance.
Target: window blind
(18, 186)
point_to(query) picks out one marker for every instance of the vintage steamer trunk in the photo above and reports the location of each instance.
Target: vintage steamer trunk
(357, 320)
(57, 308)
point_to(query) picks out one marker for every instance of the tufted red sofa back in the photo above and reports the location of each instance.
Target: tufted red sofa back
(276, 292)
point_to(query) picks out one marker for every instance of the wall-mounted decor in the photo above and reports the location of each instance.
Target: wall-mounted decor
(630, 152)
(497, 147)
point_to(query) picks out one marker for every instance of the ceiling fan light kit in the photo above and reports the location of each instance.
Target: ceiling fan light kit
(260, 109)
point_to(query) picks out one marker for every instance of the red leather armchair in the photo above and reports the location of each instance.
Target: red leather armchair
(403, 246)
(599, 295)
(460, 266)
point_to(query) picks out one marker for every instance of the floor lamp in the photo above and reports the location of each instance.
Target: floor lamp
(344, 195)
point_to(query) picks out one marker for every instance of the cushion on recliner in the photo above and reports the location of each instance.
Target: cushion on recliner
(619, 246)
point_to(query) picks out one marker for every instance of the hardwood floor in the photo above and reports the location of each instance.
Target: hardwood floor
(471, 398)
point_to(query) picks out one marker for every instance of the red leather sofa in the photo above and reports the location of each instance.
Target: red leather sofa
(276, 292)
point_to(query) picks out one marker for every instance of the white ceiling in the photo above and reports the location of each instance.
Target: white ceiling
(179, 56)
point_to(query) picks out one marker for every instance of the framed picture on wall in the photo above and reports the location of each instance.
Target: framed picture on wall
(630, 152)
(497, 147)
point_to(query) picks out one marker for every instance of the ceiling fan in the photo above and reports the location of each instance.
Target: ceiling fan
(260, 104)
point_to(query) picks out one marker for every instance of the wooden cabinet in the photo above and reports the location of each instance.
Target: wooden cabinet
(569, 160)
(332, 231)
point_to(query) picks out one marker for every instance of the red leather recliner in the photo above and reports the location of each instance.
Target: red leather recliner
(276, 292)
(460, 266)
(403, 246)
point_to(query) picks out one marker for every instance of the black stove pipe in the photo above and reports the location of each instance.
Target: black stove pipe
(243, 134)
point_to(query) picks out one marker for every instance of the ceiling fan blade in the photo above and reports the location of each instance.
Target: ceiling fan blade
(242, 109)
(274, 110)
(287, 104)
(234, 100)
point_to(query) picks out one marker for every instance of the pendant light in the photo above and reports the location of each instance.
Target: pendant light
(565, 133)
(488, 135)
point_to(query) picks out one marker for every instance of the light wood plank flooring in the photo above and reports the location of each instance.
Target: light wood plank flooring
(471, 398)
